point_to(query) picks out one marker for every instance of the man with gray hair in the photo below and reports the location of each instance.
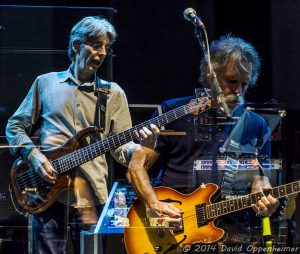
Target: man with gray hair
(210, 139)
(59, 105)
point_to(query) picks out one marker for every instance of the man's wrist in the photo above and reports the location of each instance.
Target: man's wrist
(25, 151)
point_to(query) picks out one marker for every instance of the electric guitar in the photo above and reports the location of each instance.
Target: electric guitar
(32, 194)
(143, 236)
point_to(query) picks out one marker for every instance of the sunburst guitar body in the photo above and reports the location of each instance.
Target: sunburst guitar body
(149, 234)
(141, 238)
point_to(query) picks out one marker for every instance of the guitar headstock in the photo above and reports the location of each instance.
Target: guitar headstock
(199, 105)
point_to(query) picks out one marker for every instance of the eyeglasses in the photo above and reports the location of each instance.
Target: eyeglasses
(98, 47)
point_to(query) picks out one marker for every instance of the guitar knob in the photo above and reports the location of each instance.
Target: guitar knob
(157, 248)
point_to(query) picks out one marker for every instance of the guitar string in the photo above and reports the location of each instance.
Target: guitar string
(245, 203)
(87, 151)
(216, 208)
(241, 203)
(193, 218)
(188, 220)
(216, 213)
(280, 192)
(65, 161)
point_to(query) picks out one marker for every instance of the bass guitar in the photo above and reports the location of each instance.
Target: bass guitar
(143, 236)
(33, 194)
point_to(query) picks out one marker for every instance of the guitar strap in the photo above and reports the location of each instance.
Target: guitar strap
(102, 91)
(228, 179)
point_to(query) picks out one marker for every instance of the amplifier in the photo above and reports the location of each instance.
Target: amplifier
(7, 210)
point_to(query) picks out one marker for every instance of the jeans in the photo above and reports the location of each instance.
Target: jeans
(50, 229)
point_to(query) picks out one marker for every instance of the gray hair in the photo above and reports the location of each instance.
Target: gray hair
(89, 29)
(223, 48)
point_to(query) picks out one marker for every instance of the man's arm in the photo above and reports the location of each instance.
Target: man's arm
(137, 174)
(121, 122)
(267, 205)
(18, 129)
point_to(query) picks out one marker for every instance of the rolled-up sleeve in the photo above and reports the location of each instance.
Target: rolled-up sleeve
(121, 120)
(19, 126)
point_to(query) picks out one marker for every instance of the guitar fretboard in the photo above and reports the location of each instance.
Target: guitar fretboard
(232, 205)
(83, 155)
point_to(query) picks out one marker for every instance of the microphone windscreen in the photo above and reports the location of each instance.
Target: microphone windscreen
(231, 98)
(187, 13)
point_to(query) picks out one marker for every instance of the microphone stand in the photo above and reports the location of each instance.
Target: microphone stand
(267, 235)
(216, 91)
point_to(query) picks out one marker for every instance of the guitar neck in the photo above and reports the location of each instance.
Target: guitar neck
(85, 154)
(232, 205)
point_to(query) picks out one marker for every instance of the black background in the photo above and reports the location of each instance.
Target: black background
(156, 56)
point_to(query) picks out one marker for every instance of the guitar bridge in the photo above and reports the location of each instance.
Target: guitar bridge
(159, 222)
(31, 196)
(201, 215)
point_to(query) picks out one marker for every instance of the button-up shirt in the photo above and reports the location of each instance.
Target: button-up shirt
(60, 109)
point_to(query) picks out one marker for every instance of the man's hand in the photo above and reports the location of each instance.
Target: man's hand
(148, 137)
(267, 205)
(167, 211)
(42, 165)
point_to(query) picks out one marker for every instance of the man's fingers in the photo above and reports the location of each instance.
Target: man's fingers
(45, 175)
(147, 132)
(42, 165)
(140, 135)
(273, 201)
(265, 203)
(169, 210)
(264, 207)
(255, 208)
(155, 129)
(143, 133)
(174, 220)
(49, 168)
(175, 209)
(147, 137)
(268, 204)
(136, 133)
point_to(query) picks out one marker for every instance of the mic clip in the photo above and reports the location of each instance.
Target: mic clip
(217, 96)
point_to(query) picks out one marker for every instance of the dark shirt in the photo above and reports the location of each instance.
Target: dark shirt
(179, 154)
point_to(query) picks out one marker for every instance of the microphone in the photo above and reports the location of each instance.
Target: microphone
(235, 98)
(190, 15)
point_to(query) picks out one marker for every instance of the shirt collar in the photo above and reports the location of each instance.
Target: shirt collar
(68, 74)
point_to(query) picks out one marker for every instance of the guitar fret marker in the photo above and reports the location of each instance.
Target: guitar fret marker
(78, 157)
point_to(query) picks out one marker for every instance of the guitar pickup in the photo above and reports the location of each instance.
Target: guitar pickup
(29, 190)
